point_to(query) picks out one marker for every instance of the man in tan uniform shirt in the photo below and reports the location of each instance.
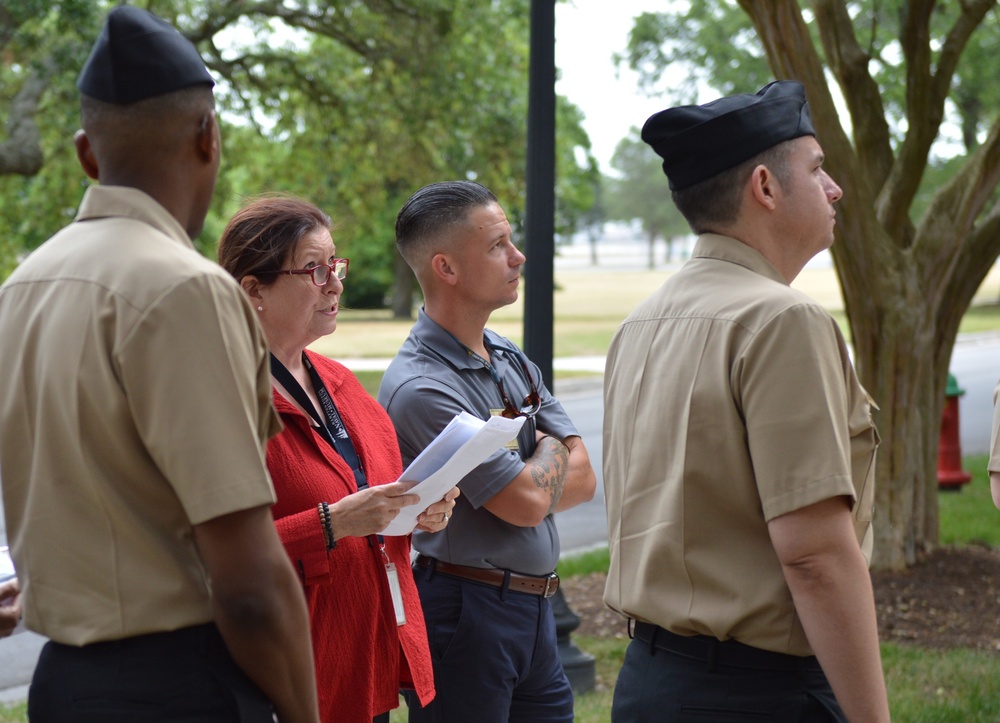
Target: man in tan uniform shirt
(134, 406)
(738, 444)
(994, 465)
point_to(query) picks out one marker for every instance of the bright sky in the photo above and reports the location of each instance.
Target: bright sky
(587, 33)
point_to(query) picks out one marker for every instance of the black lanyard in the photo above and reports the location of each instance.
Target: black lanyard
(332, 428)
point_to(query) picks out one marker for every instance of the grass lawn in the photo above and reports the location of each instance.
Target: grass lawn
(968, 515)
(589, 306)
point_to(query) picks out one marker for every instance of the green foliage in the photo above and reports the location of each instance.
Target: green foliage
(716, 45)
(361, 128)
(351, 105)
(975, 97)
(712, 40)
(355, 124)
(42, 39)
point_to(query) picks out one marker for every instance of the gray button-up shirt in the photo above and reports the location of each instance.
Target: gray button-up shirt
(432, 379)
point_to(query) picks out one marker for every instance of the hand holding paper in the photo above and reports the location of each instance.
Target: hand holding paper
(462, 446)
(435, 518)
(368, 511)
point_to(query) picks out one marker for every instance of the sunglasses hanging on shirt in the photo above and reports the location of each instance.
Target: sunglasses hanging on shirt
(532, 402)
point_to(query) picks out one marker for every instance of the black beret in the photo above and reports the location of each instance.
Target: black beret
(138, 56)
(697, 142)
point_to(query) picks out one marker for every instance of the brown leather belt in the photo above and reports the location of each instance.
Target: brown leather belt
(544, 585)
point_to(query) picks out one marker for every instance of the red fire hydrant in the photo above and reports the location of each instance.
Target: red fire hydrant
(950, 473)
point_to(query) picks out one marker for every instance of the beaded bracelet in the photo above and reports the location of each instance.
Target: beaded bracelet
(324, 519)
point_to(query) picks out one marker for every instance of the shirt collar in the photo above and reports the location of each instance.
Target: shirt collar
(125, 202)
(725, 248)
(434, 336)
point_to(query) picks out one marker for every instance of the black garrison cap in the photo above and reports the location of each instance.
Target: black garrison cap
(697, 142)
(139, 56)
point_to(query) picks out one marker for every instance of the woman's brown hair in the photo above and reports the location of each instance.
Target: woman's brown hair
(262, 235)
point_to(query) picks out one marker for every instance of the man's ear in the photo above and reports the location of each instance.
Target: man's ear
(208, 138)
(442, 268)
(764, 187)
(85, 155)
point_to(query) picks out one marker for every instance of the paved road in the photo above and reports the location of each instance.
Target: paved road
(975, 364)
(585, 526)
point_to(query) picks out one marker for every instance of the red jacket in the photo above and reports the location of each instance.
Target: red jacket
(362, 656)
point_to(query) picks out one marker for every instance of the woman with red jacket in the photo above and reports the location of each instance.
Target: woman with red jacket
(334, 467)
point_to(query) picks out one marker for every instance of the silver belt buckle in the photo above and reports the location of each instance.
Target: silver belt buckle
(550, 589)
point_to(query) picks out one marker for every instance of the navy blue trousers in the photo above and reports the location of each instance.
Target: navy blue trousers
(184, 675)
(658, 686)
(494, 655)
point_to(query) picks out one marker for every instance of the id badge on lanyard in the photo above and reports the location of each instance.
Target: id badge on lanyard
(394, 590)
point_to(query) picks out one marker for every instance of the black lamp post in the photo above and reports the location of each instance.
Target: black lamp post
(539, 227)
(539, 207)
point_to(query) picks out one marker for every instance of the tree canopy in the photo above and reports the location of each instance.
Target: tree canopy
(353, 104)
(902, 103)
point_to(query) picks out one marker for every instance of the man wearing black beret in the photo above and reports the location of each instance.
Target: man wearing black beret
(739, 445)
(135, 404)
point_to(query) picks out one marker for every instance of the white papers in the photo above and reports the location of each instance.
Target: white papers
(6, 565)
(461, 447)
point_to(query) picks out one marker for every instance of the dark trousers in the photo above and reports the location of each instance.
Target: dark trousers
(731, 682)
(184, 675)
(494, 654)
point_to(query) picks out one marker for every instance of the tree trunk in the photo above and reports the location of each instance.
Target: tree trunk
(898, 356)
(906, 287)
(403, 287)
(21, 152)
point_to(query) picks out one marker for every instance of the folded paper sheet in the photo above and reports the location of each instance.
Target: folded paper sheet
(461, 447)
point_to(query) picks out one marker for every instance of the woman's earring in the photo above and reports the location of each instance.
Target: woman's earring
(260, 308)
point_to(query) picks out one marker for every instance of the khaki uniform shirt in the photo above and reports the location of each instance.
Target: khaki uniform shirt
(730, 399)
(994, 465)
(135, 402)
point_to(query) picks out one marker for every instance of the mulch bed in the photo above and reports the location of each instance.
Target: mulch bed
(950, 599)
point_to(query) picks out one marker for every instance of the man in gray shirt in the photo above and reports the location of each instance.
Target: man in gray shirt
(485, 580)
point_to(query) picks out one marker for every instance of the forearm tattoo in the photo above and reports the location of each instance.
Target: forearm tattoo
(548, 469)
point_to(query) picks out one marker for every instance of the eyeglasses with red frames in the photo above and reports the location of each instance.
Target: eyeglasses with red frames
(321, 273)
(532, 402)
